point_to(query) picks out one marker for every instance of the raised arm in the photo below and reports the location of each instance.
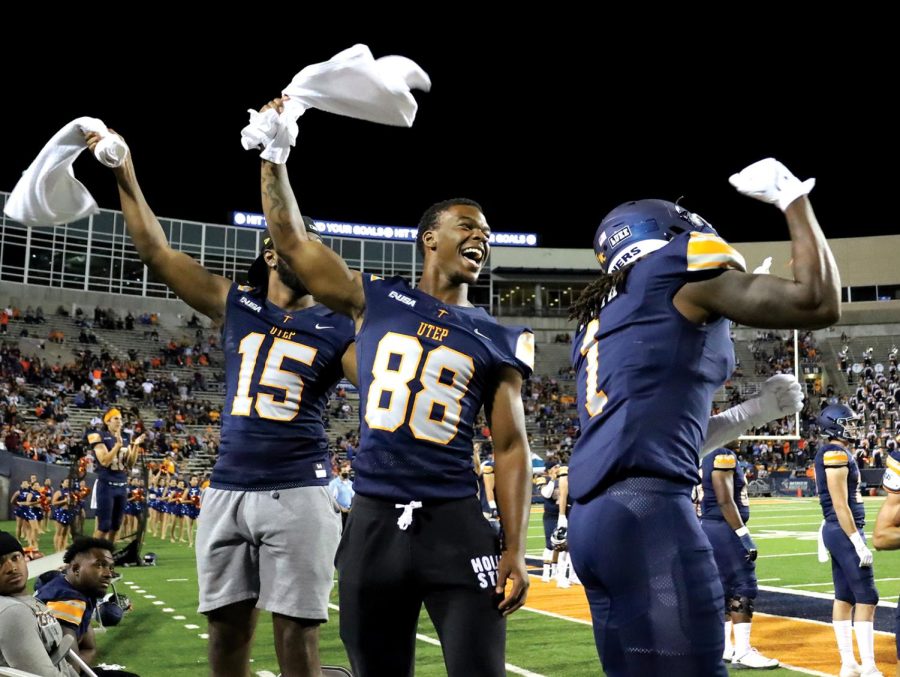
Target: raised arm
(810, 301)
(512, 472)
(322, 271)
(887, 524)
(134, 449)
(200, 289)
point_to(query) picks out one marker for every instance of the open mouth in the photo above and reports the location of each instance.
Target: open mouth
(474, 255)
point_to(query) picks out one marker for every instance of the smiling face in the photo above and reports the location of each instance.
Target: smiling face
(458, 243)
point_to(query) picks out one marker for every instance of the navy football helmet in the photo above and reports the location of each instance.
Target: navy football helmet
(634, 229)
(839, 421)
(112, 609)
(559, 538)
(150, 559)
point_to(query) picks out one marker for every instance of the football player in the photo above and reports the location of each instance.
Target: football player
(855, 596)
(652, 347)
(428, 361)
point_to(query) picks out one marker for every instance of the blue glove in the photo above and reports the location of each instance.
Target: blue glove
(744, 534)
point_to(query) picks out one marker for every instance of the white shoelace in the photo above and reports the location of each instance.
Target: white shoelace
(406, 516)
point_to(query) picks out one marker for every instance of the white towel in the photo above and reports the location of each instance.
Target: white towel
(48, 194)
(352, 83)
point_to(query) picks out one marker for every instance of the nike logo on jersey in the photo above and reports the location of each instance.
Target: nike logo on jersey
(483, 335)
(323, 326)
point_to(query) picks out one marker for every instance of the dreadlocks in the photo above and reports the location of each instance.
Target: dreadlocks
(588, 305)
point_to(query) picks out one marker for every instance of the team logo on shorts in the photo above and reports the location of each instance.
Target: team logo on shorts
(485, 568)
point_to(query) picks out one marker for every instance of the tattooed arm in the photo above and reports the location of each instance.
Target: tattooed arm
(322, 271)
(199, 288)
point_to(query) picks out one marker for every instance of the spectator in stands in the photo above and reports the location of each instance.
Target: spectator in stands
(4, 321)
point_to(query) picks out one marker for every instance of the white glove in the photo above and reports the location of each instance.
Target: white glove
(763, 269)
(563, 521)
(779, 396)
(770, 181)
(864, 554)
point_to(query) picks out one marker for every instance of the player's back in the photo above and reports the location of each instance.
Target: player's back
(646, 375)
(280, 367)
(426, 369)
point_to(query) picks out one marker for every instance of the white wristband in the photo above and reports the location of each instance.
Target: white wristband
(492, 505)
(743, 531)
(857, 540)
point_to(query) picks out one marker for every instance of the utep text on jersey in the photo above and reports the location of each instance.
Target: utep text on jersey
(646, 375)
(433, 366)
(280, 367)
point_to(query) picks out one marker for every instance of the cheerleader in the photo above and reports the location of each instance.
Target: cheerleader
(61, 506)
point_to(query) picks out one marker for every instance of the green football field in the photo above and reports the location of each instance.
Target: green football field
(164, 635)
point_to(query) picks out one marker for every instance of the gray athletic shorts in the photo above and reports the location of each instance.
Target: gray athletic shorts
(273, 546)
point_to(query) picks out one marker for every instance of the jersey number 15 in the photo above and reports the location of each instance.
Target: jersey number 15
(273, 376)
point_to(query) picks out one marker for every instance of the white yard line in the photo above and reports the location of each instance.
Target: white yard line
(810, 585)
(817, 595)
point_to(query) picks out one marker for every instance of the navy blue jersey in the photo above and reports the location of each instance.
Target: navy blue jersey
(71, 608)
(722, 460)
(426, 369)
(646, 375)
(836, 456)
(280, 368)
(115, 471)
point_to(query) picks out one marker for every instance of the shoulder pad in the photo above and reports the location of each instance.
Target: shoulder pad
(891, 478)
(724, 462)
(835, 458)
(706, 251)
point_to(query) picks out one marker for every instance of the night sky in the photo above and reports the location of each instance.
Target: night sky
(548, 130)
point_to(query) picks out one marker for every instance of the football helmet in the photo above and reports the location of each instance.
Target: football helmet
(634, 229)
(839, 421)
(559, 537)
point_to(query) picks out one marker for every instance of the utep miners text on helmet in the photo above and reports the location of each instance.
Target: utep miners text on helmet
(635, 229)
